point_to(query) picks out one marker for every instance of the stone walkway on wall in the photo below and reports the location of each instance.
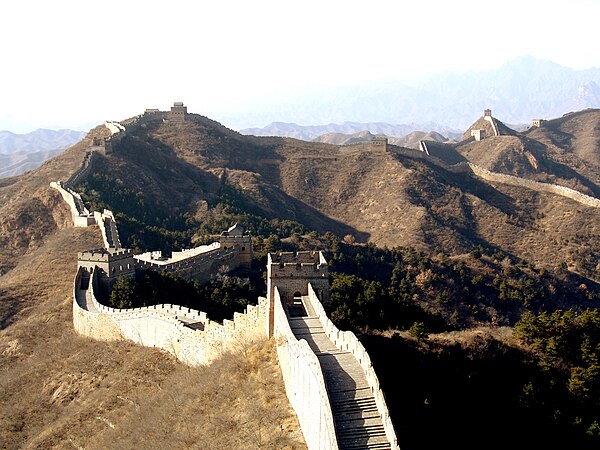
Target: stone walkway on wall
(357, 421)
(85, 301)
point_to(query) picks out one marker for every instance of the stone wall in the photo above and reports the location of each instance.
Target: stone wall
(346, 341)
(496, 177)
(493, 123)
(186, 333)
(89, 323)
(304, 383)
(108, 227)
(202, 267)
(535, 185)
(84, 170)
(378, 145)
(79, 213)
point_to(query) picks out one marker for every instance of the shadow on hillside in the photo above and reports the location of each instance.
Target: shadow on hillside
(444, 197)
(161, 163)
(313, 218)
(449, 397)
(558, 169)
(9, 307)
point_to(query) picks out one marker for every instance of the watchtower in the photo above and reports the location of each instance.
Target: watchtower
(478, 134)
(291, 272)
(379, 142)
(109, 264)
(235, 236)
(538, 122)
(178, 112)
(487, 113)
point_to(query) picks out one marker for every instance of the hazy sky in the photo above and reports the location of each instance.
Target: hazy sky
(68, 63)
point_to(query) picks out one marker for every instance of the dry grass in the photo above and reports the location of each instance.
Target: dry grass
(60, 390)
(235, 403)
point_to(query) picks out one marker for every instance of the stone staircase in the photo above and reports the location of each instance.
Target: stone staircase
(357, 421)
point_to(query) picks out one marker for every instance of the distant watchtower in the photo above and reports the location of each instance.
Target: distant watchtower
(291, 272)
(487, 113)
(379, 142)
(178, 112)
(538, 122)
(235, 236)
(478, 134)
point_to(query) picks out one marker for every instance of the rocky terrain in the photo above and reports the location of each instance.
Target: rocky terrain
(60, 390)
(387, 198)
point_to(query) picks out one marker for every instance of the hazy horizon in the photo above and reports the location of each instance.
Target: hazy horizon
(76, 64)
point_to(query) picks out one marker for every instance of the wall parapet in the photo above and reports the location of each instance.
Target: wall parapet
(348, 342)
(186, 333)
(492, 121)
(535, 185)
(202, 266)
(86, 167)
(304, 383)
(79, 213)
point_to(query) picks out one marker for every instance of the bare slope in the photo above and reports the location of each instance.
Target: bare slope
(564, 151)
(385, 197)
(573, 140)
(60, 390)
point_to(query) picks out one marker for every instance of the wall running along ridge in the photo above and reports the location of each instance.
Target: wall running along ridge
(495, 177)
(493, 123)
(108, 227)
(535, 185)
(79, 213)
(194, 339)
(202, 266)
(186, 333)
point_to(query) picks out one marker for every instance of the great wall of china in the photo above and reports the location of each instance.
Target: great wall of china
(328, 374)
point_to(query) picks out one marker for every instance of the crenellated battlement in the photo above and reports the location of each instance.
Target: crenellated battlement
(307, 257)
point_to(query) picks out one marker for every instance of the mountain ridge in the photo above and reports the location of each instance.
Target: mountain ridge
(383, 197)
(38, 140)
(205, 174)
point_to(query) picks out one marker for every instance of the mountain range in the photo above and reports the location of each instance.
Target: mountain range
(523, 89)
(22, 152)
(314, 132)
(38, 140)
(179, 182)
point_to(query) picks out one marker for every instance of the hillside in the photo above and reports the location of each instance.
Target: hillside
(387, 198)
(573, 140)
(344, 139)
(564, 151)
(60, 390)
(174, 183)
